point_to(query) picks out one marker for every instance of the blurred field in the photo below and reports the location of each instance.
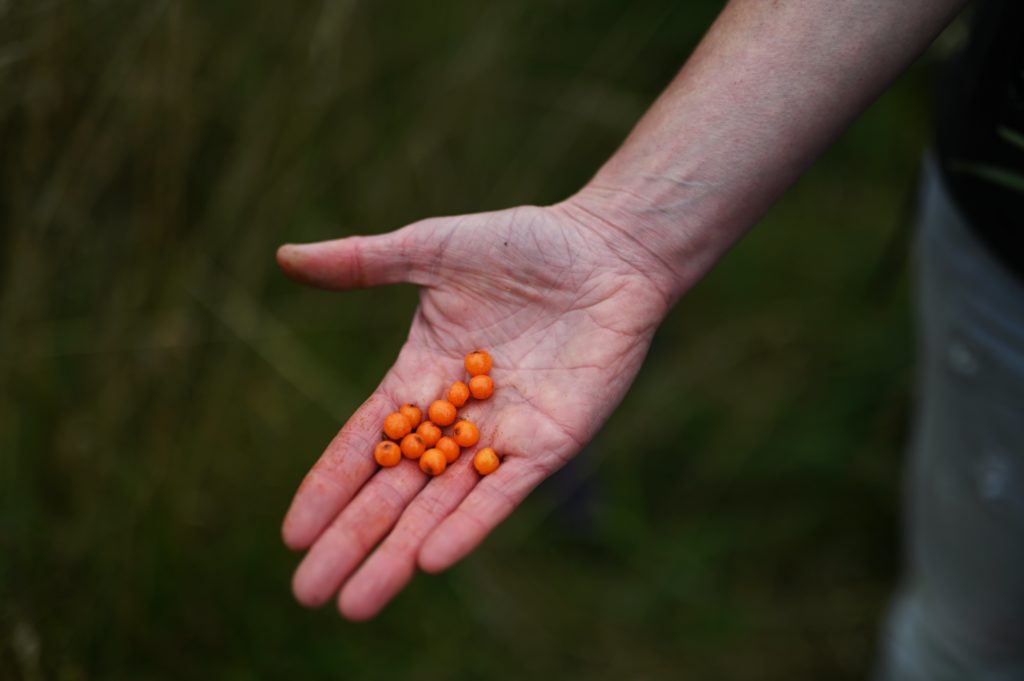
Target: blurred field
(163, 388)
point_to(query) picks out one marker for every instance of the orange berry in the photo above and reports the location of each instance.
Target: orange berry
(429, 432)
(413, 413)
(442, 412)
(397, 426)
(387, 453)
(465, 434)
(486, 461)
(478, 363)
(481, 386)
(413, 445)
(433, 462)
(458, 393)
(450, 448)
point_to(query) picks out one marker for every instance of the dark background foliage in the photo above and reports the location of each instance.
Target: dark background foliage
(163, 388)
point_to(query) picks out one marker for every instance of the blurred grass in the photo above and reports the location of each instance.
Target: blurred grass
(163, 389)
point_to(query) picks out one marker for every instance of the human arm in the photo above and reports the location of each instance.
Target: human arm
(567, 297)
(770, 86)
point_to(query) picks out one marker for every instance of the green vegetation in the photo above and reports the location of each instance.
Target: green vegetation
(163, 388)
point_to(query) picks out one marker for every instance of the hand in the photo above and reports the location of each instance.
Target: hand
(565, 304)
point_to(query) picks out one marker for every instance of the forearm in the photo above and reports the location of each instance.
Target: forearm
(768, 88)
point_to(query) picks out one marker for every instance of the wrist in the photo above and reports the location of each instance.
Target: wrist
(667, 240)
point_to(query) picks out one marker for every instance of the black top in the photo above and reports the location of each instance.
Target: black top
(980, 129)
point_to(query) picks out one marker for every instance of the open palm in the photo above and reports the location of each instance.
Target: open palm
(565, 305)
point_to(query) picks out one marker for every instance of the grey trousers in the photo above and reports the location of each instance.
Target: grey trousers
(960, 610)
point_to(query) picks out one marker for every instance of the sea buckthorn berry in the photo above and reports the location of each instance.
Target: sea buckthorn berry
(433, 462)
(413, 445)
(442, 412)
(465, 434)
(397, 426)
(481, 386)
(486, 461)
(413, 413)
(458, 393)
(429, 432)
(478, 363)
(449, 447)
(387, 453)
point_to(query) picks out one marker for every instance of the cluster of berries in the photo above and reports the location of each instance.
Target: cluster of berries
(406, 435)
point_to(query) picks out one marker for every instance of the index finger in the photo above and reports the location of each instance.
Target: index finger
(337, 475)
(347, 463)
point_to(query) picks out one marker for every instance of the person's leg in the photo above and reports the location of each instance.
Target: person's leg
(960, 614)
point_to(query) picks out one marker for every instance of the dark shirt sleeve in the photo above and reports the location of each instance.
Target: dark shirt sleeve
(980, 129)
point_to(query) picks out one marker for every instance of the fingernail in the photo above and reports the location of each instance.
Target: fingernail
(289, 256)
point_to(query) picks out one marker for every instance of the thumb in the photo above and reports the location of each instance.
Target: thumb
(359, 261)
